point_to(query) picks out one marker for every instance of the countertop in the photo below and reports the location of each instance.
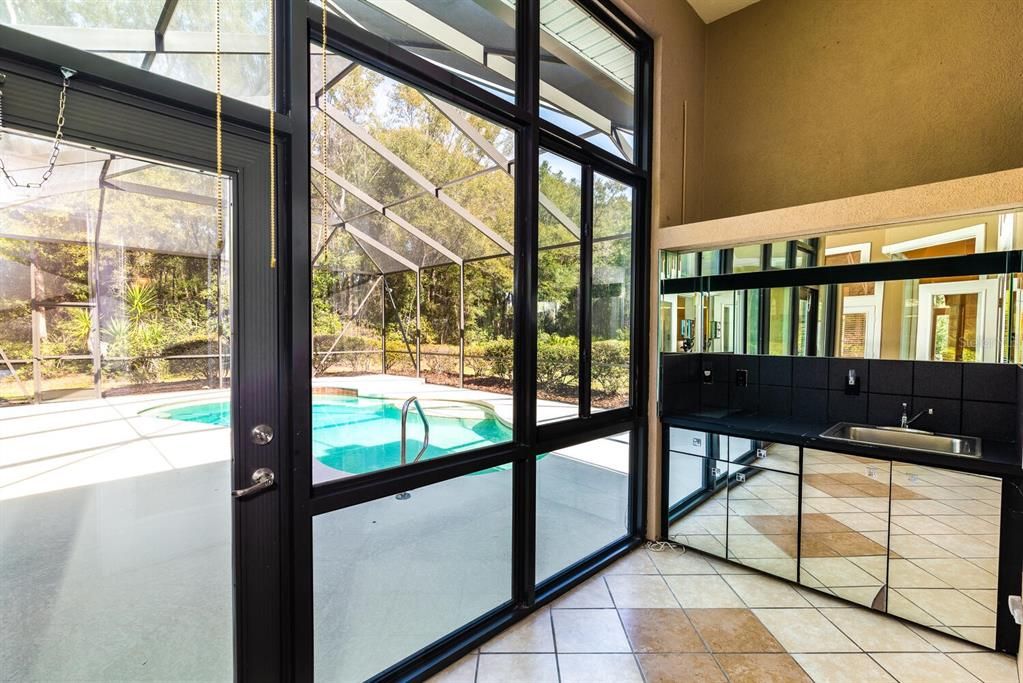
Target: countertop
(998, 458)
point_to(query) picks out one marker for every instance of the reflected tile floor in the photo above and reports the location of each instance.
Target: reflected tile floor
(684, 616)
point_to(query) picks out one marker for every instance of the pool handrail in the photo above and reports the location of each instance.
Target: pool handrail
(412, 400)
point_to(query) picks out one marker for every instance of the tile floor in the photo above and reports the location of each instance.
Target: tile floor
(674, 616)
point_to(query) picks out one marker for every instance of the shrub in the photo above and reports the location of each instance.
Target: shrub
(500, 356)
(610, 365)
(557, 361)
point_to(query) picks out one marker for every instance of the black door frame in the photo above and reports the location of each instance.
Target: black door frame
(96, 116)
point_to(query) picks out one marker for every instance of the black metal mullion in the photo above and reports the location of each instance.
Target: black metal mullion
(586, 294)
(527, 193)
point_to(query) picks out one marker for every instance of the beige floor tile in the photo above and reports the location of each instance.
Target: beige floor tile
(757, 590)
(819, 599)
(599, 669)
(590, 593)
(870, 504)
(916, 547)
(876, 632)
(950, 607)
(900, 606)
(988, 564)
(921, 524)
(861, 595)
(633, 591)
(990, 667)
(963, 545)
(861, 521)
(843, 668)
(708, 544)
(875, 565)
(943, 642)
(462, 671)
(692, 668)
(636, 562)
(733, 630)
(924, 667)
(837, 571)
(824, 503)
(660, 630)
(958, 573)
(703, 591)
(589, 630)
(678, 562)
(761, 668)
(722, 566)
(988, 598)
(973, 507)
(968, 524)
(532, 634)
(914, 574)
(783, 568)
(508, 668)
(754, 545)
(804, 630)
(980, 635)
(929, 507)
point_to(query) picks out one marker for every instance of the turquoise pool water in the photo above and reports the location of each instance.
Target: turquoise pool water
(357, 434)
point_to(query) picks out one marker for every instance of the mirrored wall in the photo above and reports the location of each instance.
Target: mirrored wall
(946, 290)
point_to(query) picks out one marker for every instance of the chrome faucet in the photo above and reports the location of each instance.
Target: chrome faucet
(906, 420)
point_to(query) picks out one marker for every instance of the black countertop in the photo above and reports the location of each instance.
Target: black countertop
(998, 458)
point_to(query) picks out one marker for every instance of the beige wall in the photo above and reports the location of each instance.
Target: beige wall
(809, 100)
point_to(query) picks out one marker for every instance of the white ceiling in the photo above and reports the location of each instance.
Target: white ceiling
(712, 10)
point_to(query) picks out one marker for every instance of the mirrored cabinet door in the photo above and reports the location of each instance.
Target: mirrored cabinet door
(763, 519)
(698, 488)
(764, 454)
(844, 533)
(943, 566)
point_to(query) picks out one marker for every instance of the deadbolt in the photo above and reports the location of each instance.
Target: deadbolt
(261, 435)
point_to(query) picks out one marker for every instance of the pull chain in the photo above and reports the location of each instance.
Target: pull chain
(323, 127)
(220, 143)
(58, 137)
(273, 149)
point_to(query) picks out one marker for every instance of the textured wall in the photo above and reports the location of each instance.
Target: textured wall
(809, 100)
(679, 48)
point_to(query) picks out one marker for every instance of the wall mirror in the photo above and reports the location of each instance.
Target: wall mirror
(944, 290)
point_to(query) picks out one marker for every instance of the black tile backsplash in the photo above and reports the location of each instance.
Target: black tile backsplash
(891, 377)
(938, 379)
(775, 401)
(811, 373)
(776, 370)
(977, 399)
(845, 408)
(988, 382)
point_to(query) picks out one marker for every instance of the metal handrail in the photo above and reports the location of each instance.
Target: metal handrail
(426, 428)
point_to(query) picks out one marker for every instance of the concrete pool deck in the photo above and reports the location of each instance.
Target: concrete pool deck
(115, 543)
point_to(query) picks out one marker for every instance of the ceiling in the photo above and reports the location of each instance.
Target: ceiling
(712, 10)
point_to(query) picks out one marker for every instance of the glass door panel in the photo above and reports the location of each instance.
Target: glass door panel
(115, 507)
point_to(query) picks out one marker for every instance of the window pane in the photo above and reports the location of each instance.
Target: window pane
(393, 575)
(474, 40)
(780, 331)
(558, 296)
(587, 77)
(582, 501)
(115, 515)
(611, 301)
(779, 254)
(412, 274)
(126, 31)
(747, 258)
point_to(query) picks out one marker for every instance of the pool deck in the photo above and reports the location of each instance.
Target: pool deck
(115, 542)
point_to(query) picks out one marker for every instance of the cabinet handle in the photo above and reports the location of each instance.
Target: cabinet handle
(761, 453)
(740, 477)
(1016, 608)
(715, 471)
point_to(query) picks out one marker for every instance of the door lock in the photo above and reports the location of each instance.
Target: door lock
(263, 478)
(261, 435)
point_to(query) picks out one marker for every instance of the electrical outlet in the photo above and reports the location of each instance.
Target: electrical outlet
(741, 377)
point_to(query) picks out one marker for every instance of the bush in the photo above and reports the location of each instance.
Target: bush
(500, 356)
(557, 361)
(350, 354)
(610, 365)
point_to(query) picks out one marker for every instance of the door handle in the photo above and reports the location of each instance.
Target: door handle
(263, 478)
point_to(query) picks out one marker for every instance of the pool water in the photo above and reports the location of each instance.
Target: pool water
(358, 434)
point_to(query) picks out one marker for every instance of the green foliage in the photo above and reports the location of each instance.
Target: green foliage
(609, 366)
(500, 355)
(557, 361)
(139, 301)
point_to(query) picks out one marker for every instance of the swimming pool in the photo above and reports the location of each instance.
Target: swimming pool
(359, 434)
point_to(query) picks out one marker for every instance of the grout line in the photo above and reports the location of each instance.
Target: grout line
(554, 643)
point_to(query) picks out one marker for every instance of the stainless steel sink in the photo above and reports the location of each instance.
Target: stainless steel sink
(912, 439)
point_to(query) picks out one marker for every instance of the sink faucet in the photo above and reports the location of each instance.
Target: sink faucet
(906, 420)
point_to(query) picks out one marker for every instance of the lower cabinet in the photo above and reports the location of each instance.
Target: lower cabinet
(844, 532)
(763, 519)
(698, 496)
(943, 563)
